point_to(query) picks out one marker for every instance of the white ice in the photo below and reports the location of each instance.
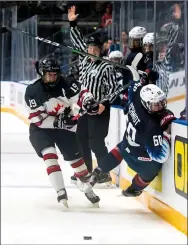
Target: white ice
(30, 213)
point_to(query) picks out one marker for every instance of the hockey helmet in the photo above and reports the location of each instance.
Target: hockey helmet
(116, 56)
(47, 68)
(148, 42)
(153, 98)
(136, 36)
(137, 32)
(149, 38)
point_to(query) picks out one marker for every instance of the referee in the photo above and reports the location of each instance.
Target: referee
(99, 78)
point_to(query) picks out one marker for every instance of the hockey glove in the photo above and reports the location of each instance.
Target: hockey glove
(63, 121)
(87, 104)
(166, 119)
(153, 76)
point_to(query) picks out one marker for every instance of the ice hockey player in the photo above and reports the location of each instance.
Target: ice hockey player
(146, 142)
(148, 43)
(135, 44)
(140, 42)
(136, 36)
(117, 57)
(50, 103)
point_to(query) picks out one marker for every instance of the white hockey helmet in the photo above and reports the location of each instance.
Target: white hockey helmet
(148, 38)
(153, 98)
(136, 36)
(137, 32)
(116, 55)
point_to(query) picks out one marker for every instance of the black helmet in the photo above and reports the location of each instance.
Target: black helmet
(94, 41)
(49, 65)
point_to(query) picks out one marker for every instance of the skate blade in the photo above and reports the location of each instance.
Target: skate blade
(107, 185)
(74, 182)
(96, 205)
(65, 203)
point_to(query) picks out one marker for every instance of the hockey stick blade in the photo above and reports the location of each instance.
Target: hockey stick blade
(136, 60)
(135, 74)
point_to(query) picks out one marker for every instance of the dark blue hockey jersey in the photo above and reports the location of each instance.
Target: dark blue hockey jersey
(144, 136)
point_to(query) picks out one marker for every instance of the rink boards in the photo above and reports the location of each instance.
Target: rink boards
(167, 194)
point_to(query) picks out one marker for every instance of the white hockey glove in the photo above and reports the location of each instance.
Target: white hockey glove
(87, 104)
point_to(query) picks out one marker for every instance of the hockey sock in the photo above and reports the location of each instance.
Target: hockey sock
(80, 169)
(53, 169)
(111, 160)
(138, 183)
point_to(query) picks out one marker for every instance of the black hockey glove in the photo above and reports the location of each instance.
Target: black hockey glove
(153, 76)
(166, 118)
(64, 121)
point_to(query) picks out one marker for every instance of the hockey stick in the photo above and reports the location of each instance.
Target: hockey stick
(66, 46)
(136, 78)
(136, 60)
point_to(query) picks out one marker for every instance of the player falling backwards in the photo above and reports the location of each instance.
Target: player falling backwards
(50, 102)
(146, 142)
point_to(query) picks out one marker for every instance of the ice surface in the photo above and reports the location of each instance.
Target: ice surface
(30, 213)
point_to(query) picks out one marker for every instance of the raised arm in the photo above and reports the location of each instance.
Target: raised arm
(76, 35)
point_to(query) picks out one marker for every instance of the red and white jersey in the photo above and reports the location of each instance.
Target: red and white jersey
(46, 103)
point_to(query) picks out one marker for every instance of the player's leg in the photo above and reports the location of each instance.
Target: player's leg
(146, 170)
(68, 146)
(83, 139)
(98, 130)
(107, 163)
(44, 146)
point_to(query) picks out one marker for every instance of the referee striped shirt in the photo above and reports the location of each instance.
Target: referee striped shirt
(96, 76)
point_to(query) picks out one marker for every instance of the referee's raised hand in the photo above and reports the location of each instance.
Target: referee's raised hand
(72, 14)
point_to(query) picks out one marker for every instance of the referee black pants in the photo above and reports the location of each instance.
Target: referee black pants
(91, 134)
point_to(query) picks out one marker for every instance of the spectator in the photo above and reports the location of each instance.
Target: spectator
(107, 17)
(106, 47)
(115, 46)
(125, 49)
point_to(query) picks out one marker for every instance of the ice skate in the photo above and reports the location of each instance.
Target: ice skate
(99, 177)
(73, 180)
(104, 178)
(62, 197)
(93, 198)
(131, 192)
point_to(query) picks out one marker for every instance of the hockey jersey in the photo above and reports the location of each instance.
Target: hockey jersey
(144, 136)
(46, 103)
